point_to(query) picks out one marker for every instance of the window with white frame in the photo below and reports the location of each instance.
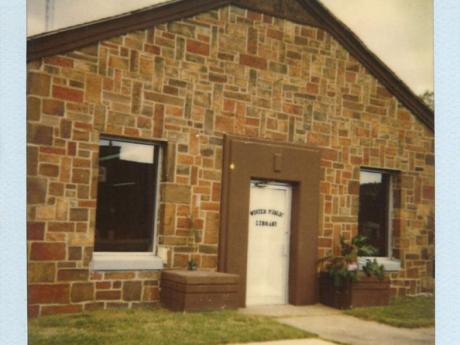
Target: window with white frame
(375, 200)
(127, 193)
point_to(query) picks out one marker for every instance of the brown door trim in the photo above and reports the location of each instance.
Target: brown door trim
(298, 165)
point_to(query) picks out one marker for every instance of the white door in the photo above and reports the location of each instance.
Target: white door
(268, 244)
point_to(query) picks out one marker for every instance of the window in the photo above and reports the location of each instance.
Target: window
(374, 210)
(375, 215)
(126, 201)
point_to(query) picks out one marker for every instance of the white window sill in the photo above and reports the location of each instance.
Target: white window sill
(389, 264)
(121, 261)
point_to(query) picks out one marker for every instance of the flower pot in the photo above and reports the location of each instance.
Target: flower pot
(367, 291)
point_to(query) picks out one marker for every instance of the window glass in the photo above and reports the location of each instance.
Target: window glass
(126, 196)
(373, 209)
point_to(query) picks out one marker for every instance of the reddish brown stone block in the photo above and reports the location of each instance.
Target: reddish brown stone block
(103, 285)
(217, 78)
(253, 61)
(87, 203)
(35, 231)
(65, 129)
(47, 251)
(119, 275)
(324, 242)
(329, 154)
(428, 192)
(82, 292)
(224, 124)
(48, 293)
(180, 260)
(275, 34)
(312, 88)
(197, 47)
(53, 107)
(67, 94)
(267, 19)
(71, 148)
(39, 134)
(132, 290)
(225, 56)
(61, 227)
(108, 295)
(73, 275)
(52, 150)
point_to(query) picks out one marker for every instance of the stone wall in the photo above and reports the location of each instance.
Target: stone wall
(189, 82)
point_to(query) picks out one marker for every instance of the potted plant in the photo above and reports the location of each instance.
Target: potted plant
(342, 286)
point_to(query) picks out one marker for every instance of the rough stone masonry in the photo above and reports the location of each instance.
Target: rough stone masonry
(226, 71)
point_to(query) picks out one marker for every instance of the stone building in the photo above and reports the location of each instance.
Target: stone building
(245, 135)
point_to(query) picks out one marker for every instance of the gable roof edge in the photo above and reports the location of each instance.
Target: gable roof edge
(78, 36)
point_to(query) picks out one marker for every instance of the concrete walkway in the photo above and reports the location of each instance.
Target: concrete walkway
(331, 324)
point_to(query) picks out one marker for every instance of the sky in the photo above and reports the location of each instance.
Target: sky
(399, 32)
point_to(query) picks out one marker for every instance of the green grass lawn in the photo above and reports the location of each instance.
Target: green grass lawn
(157, 327)
(409, 312)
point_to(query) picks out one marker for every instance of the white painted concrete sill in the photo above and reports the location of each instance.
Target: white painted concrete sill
(120, 261)
(390, 264)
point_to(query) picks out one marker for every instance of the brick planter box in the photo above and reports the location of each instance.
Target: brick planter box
(366, 292)
(199, 290)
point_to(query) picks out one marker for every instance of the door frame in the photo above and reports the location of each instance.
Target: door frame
(299, 165)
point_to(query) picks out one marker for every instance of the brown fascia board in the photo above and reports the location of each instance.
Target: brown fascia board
(79, 36)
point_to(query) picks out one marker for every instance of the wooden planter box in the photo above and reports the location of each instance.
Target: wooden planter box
(366, 292)
(198, 290)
